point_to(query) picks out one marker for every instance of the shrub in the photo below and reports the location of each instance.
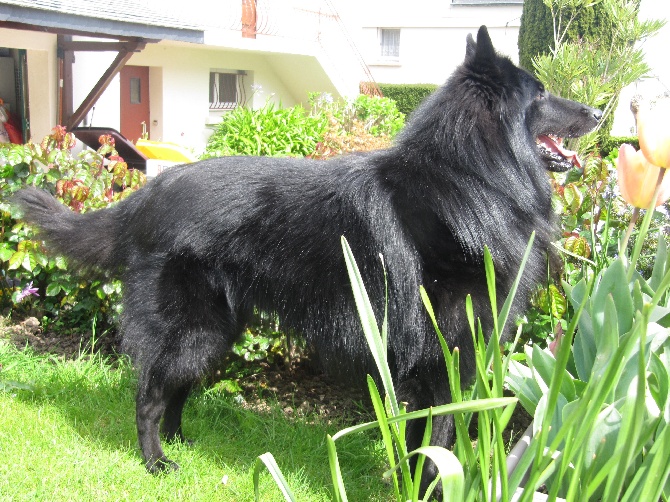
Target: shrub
(30, 281)
(271, 131)
(593, 70)
(607, 145)
(407, 96)
(364, 124)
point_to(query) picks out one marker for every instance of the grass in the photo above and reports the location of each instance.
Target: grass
(67, 432)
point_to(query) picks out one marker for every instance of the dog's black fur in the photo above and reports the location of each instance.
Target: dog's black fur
(202, 244)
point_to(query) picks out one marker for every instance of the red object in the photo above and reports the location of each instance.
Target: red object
(14, 133)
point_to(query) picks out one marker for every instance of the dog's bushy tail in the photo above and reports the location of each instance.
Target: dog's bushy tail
(89, 240)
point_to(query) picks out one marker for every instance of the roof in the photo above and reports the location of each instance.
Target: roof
(123, 18)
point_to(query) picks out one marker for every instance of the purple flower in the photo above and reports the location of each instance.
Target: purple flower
(27, 291)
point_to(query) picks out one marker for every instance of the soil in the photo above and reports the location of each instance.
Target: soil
(297, 386)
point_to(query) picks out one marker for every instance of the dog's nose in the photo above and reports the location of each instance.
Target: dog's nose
(597, 114)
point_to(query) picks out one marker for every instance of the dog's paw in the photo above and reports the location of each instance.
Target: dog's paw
(161, 465)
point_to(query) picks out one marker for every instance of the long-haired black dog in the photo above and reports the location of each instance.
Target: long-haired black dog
(202, 245)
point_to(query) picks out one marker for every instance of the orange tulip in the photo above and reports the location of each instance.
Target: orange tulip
(638, 178)
(653, 131)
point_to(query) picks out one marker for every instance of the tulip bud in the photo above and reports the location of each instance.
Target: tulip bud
(653, 131)
(638, 178)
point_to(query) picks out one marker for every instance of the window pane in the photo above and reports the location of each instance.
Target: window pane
(390, 43)
(135, 91)
(222, 90)
(228, 87)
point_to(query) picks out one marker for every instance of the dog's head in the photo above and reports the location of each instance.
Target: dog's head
(513, 91)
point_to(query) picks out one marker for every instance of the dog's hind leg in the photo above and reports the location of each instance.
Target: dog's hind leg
(420, 394)
(180, 320)
(152, 401)
(171, 427)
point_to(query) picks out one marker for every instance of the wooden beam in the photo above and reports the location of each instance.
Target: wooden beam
(118, 63)
(65, 83)
(87, 46)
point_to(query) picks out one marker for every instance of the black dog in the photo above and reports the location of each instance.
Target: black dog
(202, 245)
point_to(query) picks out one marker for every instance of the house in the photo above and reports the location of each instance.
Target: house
(167, 69)
(424, 40)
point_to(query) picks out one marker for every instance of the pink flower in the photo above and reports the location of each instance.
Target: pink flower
(27, 291)
(638, 178)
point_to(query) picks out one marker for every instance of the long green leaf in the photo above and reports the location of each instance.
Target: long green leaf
(335, 472)
(449, 468)
(445, 409)
(653, 474)
(370, 327)
(273, 468)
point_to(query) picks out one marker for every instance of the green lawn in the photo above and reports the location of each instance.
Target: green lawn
(67, 432)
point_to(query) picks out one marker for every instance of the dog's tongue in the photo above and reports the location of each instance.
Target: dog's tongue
(554, 147)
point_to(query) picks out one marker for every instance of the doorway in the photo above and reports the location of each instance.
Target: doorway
(135, 116)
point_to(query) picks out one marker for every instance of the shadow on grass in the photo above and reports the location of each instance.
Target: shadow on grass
(97, 399)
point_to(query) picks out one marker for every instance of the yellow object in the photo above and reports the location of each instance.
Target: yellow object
(164, 151)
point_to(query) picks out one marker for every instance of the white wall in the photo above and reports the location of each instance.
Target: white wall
(656, 55)
(179, 86)
(432, 35)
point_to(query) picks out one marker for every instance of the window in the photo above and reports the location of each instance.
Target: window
(135, 91)
(389, 41)
(223, 90)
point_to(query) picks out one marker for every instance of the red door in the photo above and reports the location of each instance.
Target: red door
(134, 101)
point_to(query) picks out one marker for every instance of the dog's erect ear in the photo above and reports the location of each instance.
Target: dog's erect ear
(470, 47)
(484, 51)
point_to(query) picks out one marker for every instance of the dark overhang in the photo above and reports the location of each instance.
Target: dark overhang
(57, 21)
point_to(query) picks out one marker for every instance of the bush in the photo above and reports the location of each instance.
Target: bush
(593, 70)
(614, 142)
(407, 96)
(270, 131)
(30, 281)
(364, 124)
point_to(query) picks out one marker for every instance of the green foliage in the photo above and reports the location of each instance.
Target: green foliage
(595, 67)
(377, 116)
(607, 144)
(262, 340)
(364, 124)
(269, 131)
(277, 131)
(407, 96)
(601, 407)
(544, 22)
(470, 472)
(30, 281)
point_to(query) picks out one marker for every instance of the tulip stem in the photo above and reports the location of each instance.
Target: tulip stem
(644, 227)
(629, 230)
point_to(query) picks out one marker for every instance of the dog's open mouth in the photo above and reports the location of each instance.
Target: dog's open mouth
(556, 157)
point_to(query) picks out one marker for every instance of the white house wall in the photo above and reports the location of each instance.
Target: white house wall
(432, 35)
(179, 88)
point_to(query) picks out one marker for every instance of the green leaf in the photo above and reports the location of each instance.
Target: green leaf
(336, 473)
(53, 289)
(370, 327)
(449, 468)
(273, 468)
(613, 281)
(16, 260)
(651, 477)
(6, 251)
